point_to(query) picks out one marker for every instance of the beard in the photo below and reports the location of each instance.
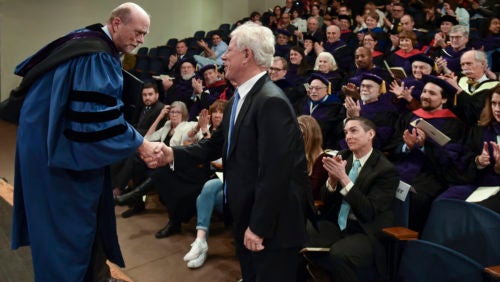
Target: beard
(187, 76)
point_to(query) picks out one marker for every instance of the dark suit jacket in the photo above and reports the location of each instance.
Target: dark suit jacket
(370, 199)
(372, 194)
(145, 123)
(265, 169)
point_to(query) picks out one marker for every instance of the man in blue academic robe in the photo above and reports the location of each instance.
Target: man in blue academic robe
(70, 130)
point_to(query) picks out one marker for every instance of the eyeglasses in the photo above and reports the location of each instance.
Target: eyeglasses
(456, 37)
(274, 69)
(367, 86)
(175, 112)
(316, 88)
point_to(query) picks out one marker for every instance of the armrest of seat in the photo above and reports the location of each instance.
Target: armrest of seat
(494, 271)
(401, 233)
(318, 203)
(217, 165)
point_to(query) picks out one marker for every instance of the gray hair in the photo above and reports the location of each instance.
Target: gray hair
(257, 38)
(329, 58)
(182, 106)
(480, 56)
(460, 29)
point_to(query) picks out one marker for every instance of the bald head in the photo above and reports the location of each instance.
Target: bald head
(363, 58)
(332, 33)
(128, 24)
(312, 24)
(126, 12)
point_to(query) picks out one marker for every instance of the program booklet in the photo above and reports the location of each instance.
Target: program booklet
(483, 193)
(397, 73)
(314, 249)
(431, 132)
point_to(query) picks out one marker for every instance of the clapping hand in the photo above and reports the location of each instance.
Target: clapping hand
(352, 107)
(197, 85)
(401, 91)
(335, 166)
(484, 158)
(203, 119)
(414, 138)
(351, 90)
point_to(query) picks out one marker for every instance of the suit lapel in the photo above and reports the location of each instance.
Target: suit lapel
(244, 111)
(367, 168)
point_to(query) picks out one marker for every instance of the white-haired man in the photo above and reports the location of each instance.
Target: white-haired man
(471, 87)
(266, 183)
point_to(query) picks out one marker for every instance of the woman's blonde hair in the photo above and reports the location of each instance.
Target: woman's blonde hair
(313, 139)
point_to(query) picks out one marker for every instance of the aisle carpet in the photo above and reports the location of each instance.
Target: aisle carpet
(19, 267)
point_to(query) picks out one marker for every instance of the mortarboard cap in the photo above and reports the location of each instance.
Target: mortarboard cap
(323, 80)
(422, 58)
(448, 18)
(449, 90)
(310, 37)
(207, 67)
(284, 32)
(189, 60)
(344, 17)
(375, 78)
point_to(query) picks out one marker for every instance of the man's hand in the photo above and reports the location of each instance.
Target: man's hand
(150, 152)
(167, 82)
(401, 92)
(318, 47)
(351, 90)
(252, 241)
(394, 40)
(335, 166)
(352, 107)
(413, 138)
(197, 85)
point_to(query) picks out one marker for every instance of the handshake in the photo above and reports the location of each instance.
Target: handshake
(155, 154)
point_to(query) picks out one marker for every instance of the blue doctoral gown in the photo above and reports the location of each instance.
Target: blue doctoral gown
(63, 196)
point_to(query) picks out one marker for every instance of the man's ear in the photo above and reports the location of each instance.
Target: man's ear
(372, 133)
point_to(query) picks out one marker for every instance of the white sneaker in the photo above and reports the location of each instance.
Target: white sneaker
(198, 247)
(197, 262)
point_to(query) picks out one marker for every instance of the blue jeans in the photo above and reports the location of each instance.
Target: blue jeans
(210, 197)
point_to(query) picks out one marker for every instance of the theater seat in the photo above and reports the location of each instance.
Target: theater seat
(427, 261)
(465, 228)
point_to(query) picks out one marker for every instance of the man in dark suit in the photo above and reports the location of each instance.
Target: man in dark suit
(151, 108)
(265, 172)
(361, 187)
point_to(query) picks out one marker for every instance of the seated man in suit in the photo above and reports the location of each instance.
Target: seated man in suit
(151, 108)
(149, 111)
(361, 187)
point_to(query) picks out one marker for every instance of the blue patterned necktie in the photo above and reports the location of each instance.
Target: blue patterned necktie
(230, 131)
(345, 207)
